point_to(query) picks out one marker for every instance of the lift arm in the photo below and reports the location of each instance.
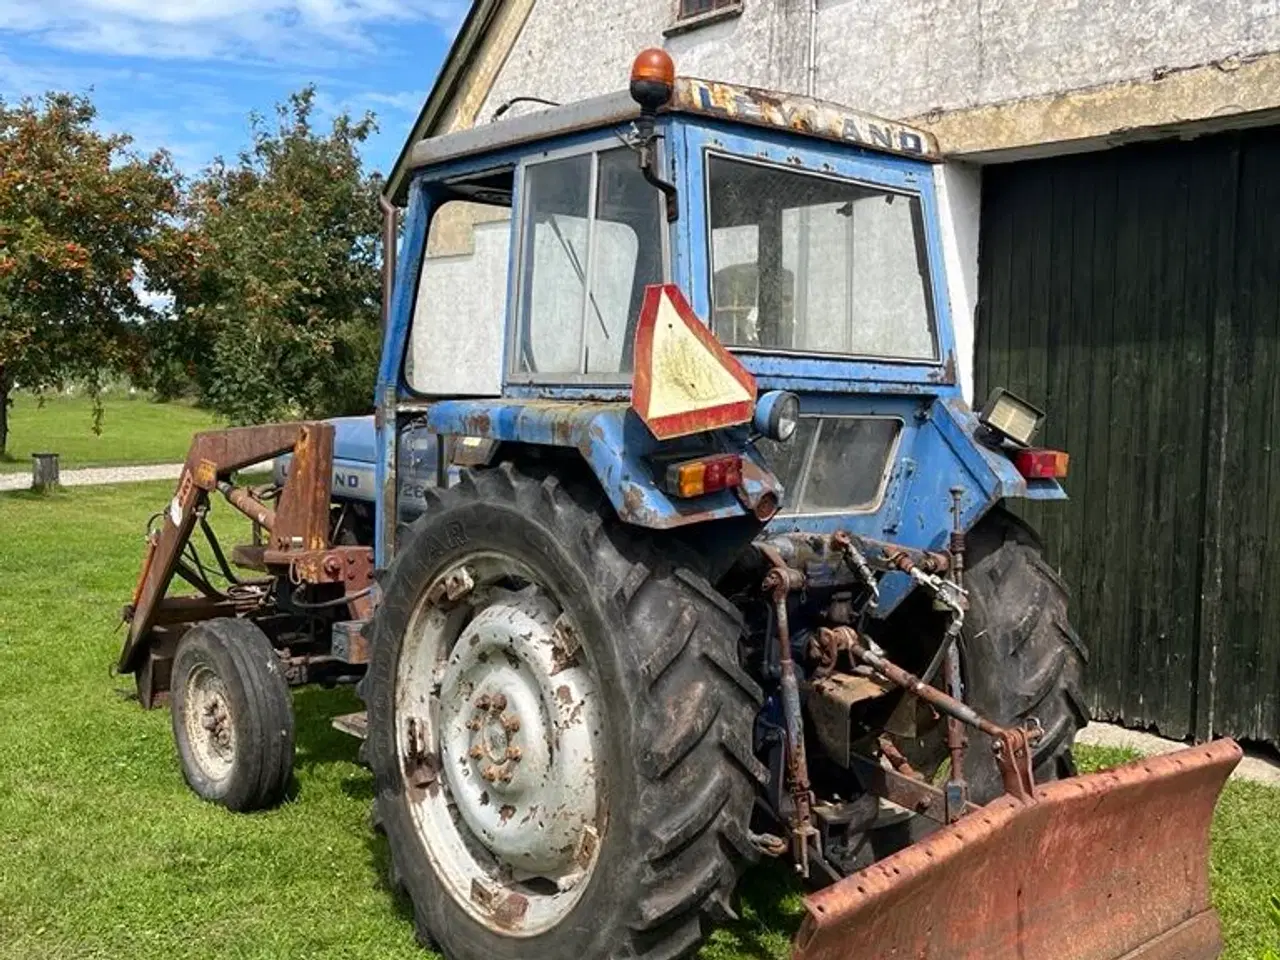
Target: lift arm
(300, 520)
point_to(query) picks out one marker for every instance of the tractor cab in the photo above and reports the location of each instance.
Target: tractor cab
(806, 237)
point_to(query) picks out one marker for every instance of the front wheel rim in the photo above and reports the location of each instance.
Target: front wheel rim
(206, 716)
(499, 736)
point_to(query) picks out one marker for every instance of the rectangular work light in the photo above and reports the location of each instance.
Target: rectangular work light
(1011, 417)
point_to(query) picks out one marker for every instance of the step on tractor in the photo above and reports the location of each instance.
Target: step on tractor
(672, 546)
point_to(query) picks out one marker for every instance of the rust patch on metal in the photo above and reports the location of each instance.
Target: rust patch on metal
(945, 373)
(455, 585)
(817, 118)
(206, 474)
(566, 644)
(510, 911)
(633, 505)
(421, 766)
(507, 909)
(587, 845)
(352, 566)
(185, 483)
(478, 424)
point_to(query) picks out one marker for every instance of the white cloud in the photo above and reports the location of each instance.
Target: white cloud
(272, 31)
(406, 101)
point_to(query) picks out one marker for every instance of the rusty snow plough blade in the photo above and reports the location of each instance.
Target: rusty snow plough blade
(1107, 866)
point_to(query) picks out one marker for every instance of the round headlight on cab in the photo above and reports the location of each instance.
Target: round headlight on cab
(777, 415)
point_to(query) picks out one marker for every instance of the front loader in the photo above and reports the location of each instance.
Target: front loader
(674, 546)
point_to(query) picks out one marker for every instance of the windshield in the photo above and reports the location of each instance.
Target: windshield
(817, 264)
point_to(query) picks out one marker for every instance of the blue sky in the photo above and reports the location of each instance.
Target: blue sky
(185, 74)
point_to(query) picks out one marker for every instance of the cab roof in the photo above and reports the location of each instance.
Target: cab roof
(722, 101)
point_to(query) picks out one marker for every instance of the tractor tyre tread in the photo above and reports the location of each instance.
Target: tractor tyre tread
(260, 668)
(680, 705)
(1022, 658)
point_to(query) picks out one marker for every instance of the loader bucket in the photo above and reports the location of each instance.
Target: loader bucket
(1108, 866)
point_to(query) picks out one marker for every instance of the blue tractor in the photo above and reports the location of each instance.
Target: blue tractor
(676, 546)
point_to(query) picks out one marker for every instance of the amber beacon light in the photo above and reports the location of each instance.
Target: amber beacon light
(653, 77)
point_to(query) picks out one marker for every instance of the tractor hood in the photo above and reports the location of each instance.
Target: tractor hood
(355, 459)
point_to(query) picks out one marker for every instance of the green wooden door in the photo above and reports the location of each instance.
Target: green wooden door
(1133, 294)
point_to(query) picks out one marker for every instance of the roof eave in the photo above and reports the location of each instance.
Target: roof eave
(460, 55)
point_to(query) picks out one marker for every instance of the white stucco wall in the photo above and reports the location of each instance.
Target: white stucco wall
(960, 203)
(894, 57)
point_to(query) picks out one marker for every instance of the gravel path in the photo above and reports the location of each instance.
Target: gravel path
(96, 475)
(1255, 766)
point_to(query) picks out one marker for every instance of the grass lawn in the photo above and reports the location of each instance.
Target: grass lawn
(134, 430)
(105, 853)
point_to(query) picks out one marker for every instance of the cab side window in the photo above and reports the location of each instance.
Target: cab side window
(591, 242)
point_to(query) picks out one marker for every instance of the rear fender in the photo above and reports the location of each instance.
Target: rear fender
(614, 444)
(958, 426)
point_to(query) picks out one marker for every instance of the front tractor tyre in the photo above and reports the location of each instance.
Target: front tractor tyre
(232, 715)
(559, 730)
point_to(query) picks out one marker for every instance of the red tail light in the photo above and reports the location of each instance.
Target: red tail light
(693, 478)
(1042, 464)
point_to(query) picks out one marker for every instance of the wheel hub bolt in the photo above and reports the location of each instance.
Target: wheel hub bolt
(498, 703)
(510, 723)
(476, 752)
(513, 753)
(483, 702)
(473, 724)
(490, 774)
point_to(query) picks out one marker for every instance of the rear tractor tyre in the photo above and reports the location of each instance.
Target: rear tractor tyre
(232, 715)
(1021, 658)
(559, 730)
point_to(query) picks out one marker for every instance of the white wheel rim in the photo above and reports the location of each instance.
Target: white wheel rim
(211, 734)
(499, 735)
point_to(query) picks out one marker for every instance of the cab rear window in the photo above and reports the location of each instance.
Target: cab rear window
(817, 264)
(834, 464)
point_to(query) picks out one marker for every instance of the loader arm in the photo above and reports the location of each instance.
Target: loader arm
(300, 517)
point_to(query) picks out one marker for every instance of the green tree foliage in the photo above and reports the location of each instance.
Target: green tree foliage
(274, 274)
(78, 214)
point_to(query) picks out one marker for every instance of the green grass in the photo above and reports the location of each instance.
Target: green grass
(105, 853)
(134, 430)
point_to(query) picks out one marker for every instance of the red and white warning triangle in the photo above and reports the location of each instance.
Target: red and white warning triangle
(685, 380)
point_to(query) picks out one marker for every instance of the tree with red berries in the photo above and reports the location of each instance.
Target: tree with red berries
(274, 274)
(79, 214)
